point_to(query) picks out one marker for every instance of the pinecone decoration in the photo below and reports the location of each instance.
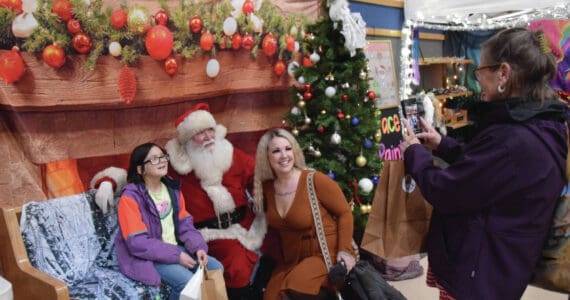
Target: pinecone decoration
(127, 85)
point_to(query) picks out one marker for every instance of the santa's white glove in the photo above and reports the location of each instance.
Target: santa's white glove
(105, 197)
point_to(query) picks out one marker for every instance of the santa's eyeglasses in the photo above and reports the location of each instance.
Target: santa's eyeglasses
(155, 160)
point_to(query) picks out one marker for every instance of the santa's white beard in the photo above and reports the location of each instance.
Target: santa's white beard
(209, 165)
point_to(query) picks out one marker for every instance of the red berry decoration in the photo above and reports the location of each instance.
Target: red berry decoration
(345, 97)
(307, 95)
(269, 44)
(63, 9)
(237, 39)
(206, 41)
(161, 17)
(82, 43)
(290, 42)
(54, 56)
(14, 5)
(279, 68)
(171, 65)
(248, 7)
(11, 66)
(371, 95)
(159, 42)
(127, 84)
(196, 24)
(248, 41)
(73, 26)
(118, 19)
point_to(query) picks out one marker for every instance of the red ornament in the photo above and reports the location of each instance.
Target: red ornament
(307, 87)
(82, 43)
(290, 42)
(237, 39)
(159, 42)
(248, 7)
(340, 115)
(206, 41)
(248, 41)
(73, 26)
(11, 66)
(321, 129)
(371, 95)
(62, 8)
(307, 96)
(307, 62)
(14, 5)
(54, 56)
(161, 17)
(118, 19)
(127, 84)
(279, 68)
(170, 65)
(345, 97)
(196, 24)
(269, 44)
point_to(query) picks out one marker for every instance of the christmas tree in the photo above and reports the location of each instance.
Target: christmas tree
(333, 115)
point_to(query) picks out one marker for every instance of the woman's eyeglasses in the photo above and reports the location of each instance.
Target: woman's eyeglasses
(155, 160)
(476, 74)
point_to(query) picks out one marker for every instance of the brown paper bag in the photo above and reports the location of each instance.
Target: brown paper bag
(213, 286)
(399, 219)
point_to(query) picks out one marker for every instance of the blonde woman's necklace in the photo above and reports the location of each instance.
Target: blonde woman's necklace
(284, 193)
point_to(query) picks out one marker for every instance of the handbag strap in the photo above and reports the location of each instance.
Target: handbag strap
(318, 220)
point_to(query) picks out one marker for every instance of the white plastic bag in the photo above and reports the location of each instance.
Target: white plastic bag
(193, 289)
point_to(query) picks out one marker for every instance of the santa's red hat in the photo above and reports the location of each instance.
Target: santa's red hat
(193, 121)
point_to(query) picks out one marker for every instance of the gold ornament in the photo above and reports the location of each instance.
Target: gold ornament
(301, 104)
(347, 117)
(361, 161)
(378, 136)
(323, 112)
(295, 132)
(138, 20)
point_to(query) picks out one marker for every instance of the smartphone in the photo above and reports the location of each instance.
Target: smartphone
(412, 112)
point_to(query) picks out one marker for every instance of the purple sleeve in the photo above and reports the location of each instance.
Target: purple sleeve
(190, 236)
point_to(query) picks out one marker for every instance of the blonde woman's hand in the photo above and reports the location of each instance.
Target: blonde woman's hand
(430, 137)
(186, 260)
(202, 257)
(410, 138)
(348, 259)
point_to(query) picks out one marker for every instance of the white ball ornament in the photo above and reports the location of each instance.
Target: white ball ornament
(24, 25)
(317, 153)
(301, 79)
(212, 68)
(366, 185)
(230, 26)
(330, 91)
(291, 68)
(314, 57)
(335, 138)
(295, 110)
(115, 49)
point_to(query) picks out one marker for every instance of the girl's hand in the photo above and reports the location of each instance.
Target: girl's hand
(186, 260)
(202, 257)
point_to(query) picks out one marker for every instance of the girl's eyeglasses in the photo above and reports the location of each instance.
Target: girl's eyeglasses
(156, 159)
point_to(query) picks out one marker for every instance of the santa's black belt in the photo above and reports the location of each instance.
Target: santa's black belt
(225, 220)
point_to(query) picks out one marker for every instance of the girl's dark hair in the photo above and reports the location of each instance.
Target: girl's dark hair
(532, 65)
(137, 159)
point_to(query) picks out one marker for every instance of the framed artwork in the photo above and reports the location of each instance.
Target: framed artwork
(382, 73)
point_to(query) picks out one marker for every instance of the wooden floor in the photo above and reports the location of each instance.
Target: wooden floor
(416, 289)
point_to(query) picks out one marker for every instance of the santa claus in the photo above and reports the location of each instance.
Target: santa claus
(214, 180)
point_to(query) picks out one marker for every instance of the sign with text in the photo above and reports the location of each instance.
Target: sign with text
(391, 129)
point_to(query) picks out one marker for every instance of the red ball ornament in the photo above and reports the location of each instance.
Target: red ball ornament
(290, 42)
(248, 41)
(248, 7)
(118, 19)
(307, 96)
(63, 9)
(307, 62)
(161, 17)
(82, 43)
(54, 56)
(307, 87)
(11, 66)
(279, 68)
(345, 97)
(237, 39)
(340, 115)
(196, 24)
(206, 41)
(73, 26)
(321, 129)
(269, 44)
(14, 5)
(371, 95)
(170, 65)
(159, 42)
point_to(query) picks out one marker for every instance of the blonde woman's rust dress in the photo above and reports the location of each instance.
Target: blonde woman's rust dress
(303, 268)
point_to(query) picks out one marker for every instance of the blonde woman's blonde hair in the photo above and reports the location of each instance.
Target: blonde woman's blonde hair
(263, 170)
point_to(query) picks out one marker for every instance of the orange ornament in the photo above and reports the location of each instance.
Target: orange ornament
(247, 42)
(269, 44)
(290, 42)
(159, 42)
(127, 85)
(62, 8)
(11, 66)
(171, 65)
(82, 43)
(206, 41)
(279, 68)
(237, 39)
(118, 19)
(196, 24)
(248, 7)
(54, 56)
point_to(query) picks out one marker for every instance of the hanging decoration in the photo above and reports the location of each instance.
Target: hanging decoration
(11, 66)
(212, 68)
(54, 56)
(24, 25)
(127, 84)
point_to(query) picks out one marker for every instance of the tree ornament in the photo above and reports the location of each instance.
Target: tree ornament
(367, 143)
(138, 20)
(82, 43)
(295, 131)
(248, 41)
(73, 26)
(323, 112)
(361, 161)
(195, 24)
(335, 138)
(127, 84)
(307, 120)
(344, 97)
(378, 135)
(301, 79)
(212, 68)
(363, 75)
(230, 26)
(311, 149)
(206, 41)
(366, 185)
(290, 43)
(375, 179)
(269, 44)
(330, 91)
(159, 42)
(292, 67)
(12, 66)
(345, 85)
(317, 153)
(13, 5)
(307, 87)
(307, 62)
(371, 95)
(340, 115)
(237, 39)
(321, 129)
(295, 111)
(24, 25)
(115, 49)
(161, 17)
(118, 19)
(315, 57)
(329, 77)
(355, 121)
(307, 95)
(63, 9)
(331, 175)
(279, 68)
(248, 7)
(54, 56)
(301, 104)
(170, 66)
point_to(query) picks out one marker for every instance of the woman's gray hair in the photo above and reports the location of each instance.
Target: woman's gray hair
(263, 170)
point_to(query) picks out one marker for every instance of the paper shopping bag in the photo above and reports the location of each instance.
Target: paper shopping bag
(213, 286)
(193, 289)
(399, 218)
